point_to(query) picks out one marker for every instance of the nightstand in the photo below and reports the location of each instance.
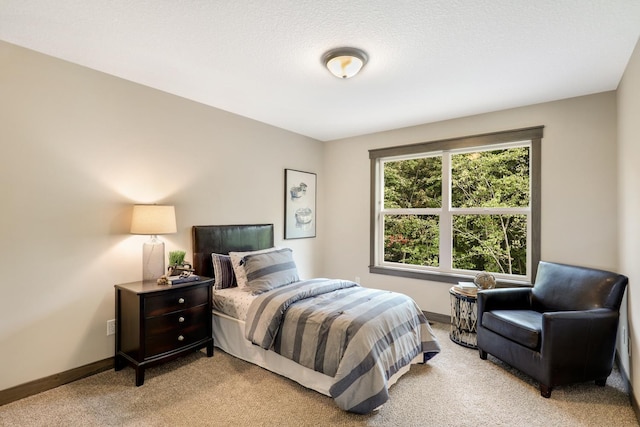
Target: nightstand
(156, 323)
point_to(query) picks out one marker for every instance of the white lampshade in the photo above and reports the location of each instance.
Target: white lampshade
(153, 219)
(345, 62)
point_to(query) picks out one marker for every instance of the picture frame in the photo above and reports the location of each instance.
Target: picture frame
(299, 204)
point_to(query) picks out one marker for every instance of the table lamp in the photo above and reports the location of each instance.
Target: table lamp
(153, 220)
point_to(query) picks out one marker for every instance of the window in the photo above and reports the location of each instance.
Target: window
(445, 210)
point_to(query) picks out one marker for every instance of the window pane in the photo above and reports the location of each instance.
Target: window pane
(493, 243)
(498, 178)
(415, 183)
(412, 239)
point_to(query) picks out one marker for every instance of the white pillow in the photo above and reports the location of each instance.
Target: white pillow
(236, 257)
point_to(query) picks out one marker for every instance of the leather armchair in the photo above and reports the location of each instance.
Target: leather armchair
(560, 331)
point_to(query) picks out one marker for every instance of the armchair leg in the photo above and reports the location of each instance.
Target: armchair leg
(483, 354)
(601, 382)
(545, 391)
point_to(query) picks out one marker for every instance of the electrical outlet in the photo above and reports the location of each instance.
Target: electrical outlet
(111, 327)
(357, 279)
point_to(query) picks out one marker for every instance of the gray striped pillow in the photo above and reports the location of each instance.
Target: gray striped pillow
(270, 270)
(223, 275)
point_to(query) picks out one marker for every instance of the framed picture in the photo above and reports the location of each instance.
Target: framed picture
(299, 204)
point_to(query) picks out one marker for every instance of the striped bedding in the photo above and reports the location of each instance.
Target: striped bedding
(357, 335)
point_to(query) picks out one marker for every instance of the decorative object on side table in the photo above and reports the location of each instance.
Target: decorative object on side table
(178, 271)
(466, 288)
(163, 281)
(485, 280)
(157, 323)
(299, 204)
(177, 264)
(184, 277)
(176, 258)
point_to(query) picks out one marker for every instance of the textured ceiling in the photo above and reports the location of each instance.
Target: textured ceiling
(429, 60)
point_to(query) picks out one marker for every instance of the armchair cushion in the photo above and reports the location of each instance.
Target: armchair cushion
(521, 326)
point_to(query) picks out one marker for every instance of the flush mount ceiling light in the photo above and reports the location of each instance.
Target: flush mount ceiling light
(345, 62)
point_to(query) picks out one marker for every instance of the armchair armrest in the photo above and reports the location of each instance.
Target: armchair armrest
(597, 327)
(589, 335)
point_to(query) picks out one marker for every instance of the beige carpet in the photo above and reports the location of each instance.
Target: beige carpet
(455, 388)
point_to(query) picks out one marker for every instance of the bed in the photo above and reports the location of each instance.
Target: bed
(332, 336)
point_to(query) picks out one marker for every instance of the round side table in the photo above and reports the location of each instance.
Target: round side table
(464, 318)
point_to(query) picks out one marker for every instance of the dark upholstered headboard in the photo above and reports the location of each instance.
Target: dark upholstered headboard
(222, 239)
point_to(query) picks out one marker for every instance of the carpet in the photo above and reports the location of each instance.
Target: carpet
(456, 388)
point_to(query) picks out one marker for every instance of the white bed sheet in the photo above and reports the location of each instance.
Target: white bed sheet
(233, 302)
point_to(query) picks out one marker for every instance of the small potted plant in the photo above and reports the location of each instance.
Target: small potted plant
(177, 264)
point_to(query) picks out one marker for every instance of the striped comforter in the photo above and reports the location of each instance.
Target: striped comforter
(357, 335)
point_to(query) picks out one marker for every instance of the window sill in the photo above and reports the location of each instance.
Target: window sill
(440, 277)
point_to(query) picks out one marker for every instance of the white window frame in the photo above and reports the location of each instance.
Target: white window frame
(530, 137)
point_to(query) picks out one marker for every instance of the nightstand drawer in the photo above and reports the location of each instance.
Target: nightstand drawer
(174, 339)
(176, 321)
(174, 300)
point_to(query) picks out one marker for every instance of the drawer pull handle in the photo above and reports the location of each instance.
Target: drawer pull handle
(181, 300)
(180, 338)
(181, 319)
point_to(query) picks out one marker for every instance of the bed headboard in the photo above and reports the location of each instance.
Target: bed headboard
(222, 239)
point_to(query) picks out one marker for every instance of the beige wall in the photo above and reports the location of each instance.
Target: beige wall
(78, 149)
(579, 197)
(629, 214)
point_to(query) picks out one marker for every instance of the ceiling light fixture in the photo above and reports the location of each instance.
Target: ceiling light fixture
(345, 62)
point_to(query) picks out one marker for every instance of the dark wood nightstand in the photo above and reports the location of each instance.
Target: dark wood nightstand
(156, 323)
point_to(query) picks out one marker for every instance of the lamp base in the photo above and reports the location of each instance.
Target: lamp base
(152, 260)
